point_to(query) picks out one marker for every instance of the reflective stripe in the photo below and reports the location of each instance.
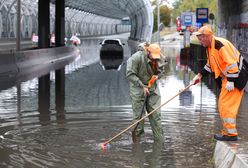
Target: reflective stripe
(240, 62)
(231, 131)
(229, 120)
(232, 75)
(230, 67)
(207, 68)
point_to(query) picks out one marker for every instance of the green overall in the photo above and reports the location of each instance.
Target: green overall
(138, 73)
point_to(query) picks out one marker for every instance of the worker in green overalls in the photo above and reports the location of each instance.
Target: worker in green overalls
(142, 68)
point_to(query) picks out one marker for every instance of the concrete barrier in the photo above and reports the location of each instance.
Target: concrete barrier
(7, 63)
(232, 155)
(34, 58)
(35, 63)
(16, 67)
(8, 69)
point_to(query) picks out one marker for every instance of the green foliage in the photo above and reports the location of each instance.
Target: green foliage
(153, 2)
(165, 16)
(191, 5)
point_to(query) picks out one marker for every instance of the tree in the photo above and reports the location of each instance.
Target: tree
(165, 16)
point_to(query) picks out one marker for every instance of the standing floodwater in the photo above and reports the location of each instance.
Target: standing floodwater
(97, 107)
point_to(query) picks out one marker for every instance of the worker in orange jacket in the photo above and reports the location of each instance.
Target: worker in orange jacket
(223, 60)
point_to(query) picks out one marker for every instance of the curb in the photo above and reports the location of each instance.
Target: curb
(231, 155)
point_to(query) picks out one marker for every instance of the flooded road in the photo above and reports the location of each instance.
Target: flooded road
(97, 107)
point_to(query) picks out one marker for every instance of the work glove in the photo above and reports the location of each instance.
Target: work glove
(229, 86)
(196, 79)
(152, 80)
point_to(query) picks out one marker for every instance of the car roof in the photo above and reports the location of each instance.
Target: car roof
(113, 40)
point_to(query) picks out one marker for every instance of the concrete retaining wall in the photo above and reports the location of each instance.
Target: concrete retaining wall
(231, 155)
(16, 67)
(7, 64)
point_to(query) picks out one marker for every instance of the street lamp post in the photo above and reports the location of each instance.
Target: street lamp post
(18, 27)
(158, 21)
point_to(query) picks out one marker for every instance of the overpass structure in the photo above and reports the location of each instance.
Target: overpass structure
(87, 17)
(97, 17)
(20, 18)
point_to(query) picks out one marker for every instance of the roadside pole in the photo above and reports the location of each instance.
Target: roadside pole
(18, 27)
(158, 22)
(186, 39)
(187, 22)
(18, 48)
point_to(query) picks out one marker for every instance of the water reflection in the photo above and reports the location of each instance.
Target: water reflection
(147, 155)
(60, 94)
(44, 99)
(45, 124)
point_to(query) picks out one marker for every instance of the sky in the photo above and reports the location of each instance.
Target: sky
(169, 2)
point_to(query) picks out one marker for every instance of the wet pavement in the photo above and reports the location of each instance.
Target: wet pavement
(97, 107)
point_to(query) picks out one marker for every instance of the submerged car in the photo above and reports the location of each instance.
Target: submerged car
(111, 54)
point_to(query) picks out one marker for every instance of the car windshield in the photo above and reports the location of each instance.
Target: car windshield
(111, 42)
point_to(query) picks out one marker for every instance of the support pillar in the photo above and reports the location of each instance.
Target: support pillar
(44, 42)
(44, 98)
(60, 74)
(44, 23)
(60, 93)
(59, 23)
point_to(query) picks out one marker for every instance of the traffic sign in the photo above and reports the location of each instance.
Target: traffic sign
(202, 15)
(187, 20)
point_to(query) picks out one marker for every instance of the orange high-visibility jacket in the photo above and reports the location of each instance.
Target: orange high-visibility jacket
(223, 59)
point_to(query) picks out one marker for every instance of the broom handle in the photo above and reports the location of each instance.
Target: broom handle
(147, 115)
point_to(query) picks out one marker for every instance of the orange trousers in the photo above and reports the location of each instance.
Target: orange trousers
(229, 102)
